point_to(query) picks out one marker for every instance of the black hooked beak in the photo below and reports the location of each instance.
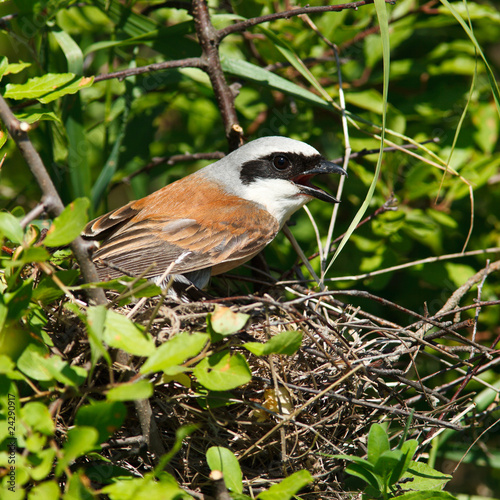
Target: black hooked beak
(323, 167)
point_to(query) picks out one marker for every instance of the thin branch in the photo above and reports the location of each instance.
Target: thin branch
(169, 160)
(243, 25)
(190, 62)
(50, 197)
(209, 42)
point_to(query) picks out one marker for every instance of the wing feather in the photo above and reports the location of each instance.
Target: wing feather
(209, 229)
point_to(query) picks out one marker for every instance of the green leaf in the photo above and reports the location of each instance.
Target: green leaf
(124, 334)
(175, 351)
(45, 491)
(11, 228)
(38, 86)
(378, 443)
(424, 477)
(430, 495)
(227, 322)
(69, 224)
(79, 441)
(366, 475)
(95, 321)
(37, 416)
(37, 115)
(223, 371)
(224, 460)
(34, 363)
(105, 416)
(70, 88)
(408, 449)
(284, 343)
(15, 68)
(256, 74)
(287, 488)
(390, 463)
(142, 389)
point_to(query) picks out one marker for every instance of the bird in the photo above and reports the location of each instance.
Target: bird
(212, 220)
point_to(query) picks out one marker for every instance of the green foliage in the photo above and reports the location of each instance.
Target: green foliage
(385, 467)
(107, 141)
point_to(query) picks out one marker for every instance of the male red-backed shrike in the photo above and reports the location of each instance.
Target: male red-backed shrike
(214, 219)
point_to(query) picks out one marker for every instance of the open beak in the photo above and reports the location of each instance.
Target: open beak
(323, 167)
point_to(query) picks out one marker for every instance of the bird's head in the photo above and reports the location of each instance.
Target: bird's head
(276, 173)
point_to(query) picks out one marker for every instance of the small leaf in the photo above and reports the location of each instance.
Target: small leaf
(284, 343)
(378, 443)
(37, 416)
(222, 459)
(366, 475)
(227, 322)
(11, 228)
(80, 440)
(175, 351)
(287, 488)
(69, 224)
(124, 334)
(105, 416)
(37, 116)
(142, 389)
(223, 371)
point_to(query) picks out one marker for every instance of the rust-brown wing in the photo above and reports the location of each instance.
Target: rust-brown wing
(197, 232)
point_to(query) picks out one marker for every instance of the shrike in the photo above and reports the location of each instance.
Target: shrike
(212, 220)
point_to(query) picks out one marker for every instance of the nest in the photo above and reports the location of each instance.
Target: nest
(353, 369)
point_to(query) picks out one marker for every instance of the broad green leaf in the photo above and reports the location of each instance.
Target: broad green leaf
(69, 224)
(424, 477)
(37, 416)
(175, 351)
(223, 371)
(38, 86)
(287, 488)
(222, 459)
(284, 343)
(142, 389)
(105, 416)
(79, 441)
(227, 322)
(122, 333)
(11, 228)
(378, 443)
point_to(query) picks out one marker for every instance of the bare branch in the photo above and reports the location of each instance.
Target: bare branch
(209, 41)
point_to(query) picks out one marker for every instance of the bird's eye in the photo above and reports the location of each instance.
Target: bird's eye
(281, 162)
